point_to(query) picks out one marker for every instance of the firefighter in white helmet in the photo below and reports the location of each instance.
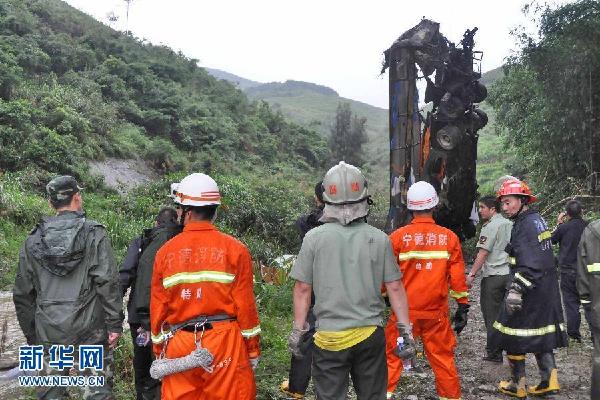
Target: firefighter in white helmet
(433, 269)
(346, 261)
(202, 300)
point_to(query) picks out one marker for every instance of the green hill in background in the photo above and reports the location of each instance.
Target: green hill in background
(314, 106)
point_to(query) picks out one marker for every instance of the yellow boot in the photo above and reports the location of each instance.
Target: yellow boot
(550, 386)
(512, 388)
(285, 388)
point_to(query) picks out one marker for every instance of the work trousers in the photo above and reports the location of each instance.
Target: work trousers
(146, 388)
(300, 368)
(571, 302)
(595, 390)
(364, 362)
(232, 376)
(438, 342)
(493, 289)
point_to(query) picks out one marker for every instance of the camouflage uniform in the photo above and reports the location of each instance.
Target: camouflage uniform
(67, 288)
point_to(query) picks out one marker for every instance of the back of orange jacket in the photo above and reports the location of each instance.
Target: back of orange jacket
(431, 261)
(204, 272)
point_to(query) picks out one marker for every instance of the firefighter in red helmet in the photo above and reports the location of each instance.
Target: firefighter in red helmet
(531, 320)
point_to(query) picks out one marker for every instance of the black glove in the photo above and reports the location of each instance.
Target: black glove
(460, 318)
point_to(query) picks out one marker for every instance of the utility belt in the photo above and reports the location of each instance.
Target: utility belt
(200, 357)
(201, 323)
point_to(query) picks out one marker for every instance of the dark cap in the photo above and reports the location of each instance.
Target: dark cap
(62, 188)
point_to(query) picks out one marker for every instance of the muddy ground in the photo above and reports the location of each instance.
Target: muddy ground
(479, 378)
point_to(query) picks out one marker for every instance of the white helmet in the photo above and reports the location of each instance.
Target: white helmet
(421, 196)
(197, 190)
(344, 184)
(173, 191)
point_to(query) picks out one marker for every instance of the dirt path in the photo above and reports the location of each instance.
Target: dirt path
(479, 378)
(10, 352)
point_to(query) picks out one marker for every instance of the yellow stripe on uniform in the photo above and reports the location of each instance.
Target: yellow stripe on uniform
(544, 235)
(157, 339)
(527, 332)
(248, 333)
(424, 255)
(512, 260)
(523, 280)
(595, 267)
(200, 276)
(458, 295)
(515, 358)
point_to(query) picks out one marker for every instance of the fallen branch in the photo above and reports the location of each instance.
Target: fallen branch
(575, 197)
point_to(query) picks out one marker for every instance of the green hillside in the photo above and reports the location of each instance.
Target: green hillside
(73, 90)
(314, 106)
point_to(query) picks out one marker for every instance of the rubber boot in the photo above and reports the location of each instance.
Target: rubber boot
(285, 388)
(515, 386)
(548, 375)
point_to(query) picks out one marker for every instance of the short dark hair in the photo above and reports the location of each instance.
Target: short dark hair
(65, 202)
(573, 209)
(319, 189)
(166, 215)
(490, 202)
(205, 213)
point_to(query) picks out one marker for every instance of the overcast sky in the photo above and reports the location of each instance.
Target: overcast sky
(337, 43)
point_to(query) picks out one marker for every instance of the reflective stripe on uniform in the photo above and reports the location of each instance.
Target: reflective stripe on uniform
(585, 301)
(248, 333)
(512, 260)
(527, 332)
(458, 295)
(200, 276)
(544, 235)
(523, 280)
(515, 358)
(424, 255)
(157, 339)
(595, 267)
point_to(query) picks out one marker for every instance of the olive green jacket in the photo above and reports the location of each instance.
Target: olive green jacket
(588, 270)
(67, 285)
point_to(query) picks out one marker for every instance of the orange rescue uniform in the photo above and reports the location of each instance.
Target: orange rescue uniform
(204, 272)
(430, 258)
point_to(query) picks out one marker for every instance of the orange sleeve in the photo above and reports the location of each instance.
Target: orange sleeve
(245, 303)
(158, 302)
(458, 283)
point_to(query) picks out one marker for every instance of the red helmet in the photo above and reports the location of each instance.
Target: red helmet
(517, 188)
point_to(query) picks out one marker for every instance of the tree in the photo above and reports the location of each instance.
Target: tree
(547, 103)
(348, 134)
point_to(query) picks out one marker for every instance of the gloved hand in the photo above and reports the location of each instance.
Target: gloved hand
(405, 350)
(514, 301)
(143, 337)
(295, 339)
(254, 362)
(460, 317)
